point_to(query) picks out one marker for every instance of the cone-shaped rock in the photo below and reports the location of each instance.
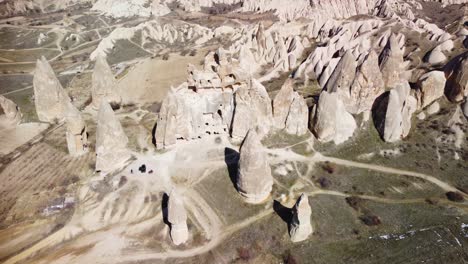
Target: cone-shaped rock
(367, 86)
(49, 97)
(10, 114)
(392, 116)
(166, 127)
(177, 217)
(254, 180)
(282, 103)
(111, 141)
(300, 227)
(391, 61)
(331, 120)
(103, 84)
(298, 116)
(342, 77)
(77, 138)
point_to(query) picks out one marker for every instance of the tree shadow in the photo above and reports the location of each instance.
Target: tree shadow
(284, 212)
(153, 134)
(231, 158)
(164, 203)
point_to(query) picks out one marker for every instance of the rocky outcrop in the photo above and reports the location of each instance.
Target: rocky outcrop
(254, 179)
(392, 116)
(127, 8)
(50, 98)
(465, 108)
(252, 110)
(431, 87)
(367, 85)
(342, 78)
(456, 72)
(300, 227)
(331, 121)
(76, 134)
(177, 217)
(391, 62)
(290, 110)
(10, 114)
(103, 85)
(111, 141)
(298, 116)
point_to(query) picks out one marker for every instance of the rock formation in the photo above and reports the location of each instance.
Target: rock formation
(254, 179)
(367, 86)
(391, 61)
(290, 110)
(77, 138)
(177, 217)
(465, 108)
(342, 77)
(392, 116)
(456, 72)
(103, 84)
(300, 227)
(431, 87)
(10, 114)
(252, 110)
(111, 141)
(331, 121)
(50, 98)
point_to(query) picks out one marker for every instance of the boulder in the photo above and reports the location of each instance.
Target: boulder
(103, 84)
(456, 71)
(367, 86)
(254, 179)
(331, 121)
(391, 62)
(50, 98)
(436, 56)
(76, 134)
(431, 87)
(177, 217)
(111, 141)
(392, 115)
(300, 227)
(433, 108)
(10, 114)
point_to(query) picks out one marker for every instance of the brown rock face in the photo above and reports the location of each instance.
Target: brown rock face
(456, 72)
(10, 114)
(254, 180)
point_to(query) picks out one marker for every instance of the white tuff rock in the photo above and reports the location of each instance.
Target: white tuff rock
(111, 141)
(300, 227)
(77, 138)
(331, 121)
(254, 180)
(431, 87)
(10, 114)
(103, 84)
(177, 217)
(50, 98)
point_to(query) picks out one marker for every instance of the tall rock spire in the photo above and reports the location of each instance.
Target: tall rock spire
(77, 138)
(300, 227)
(103, 84)
(111, 141)
(177, 216)
(254, 180)
(49, 96)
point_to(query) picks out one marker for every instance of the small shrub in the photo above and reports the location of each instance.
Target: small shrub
(455, 196)
(354, 202)
(324, 182)
(244, 253)
(370, 220)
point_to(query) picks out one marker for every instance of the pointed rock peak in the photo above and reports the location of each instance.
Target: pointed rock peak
(300, 226)
(254, 180)
(10, 110)
(103, 84)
